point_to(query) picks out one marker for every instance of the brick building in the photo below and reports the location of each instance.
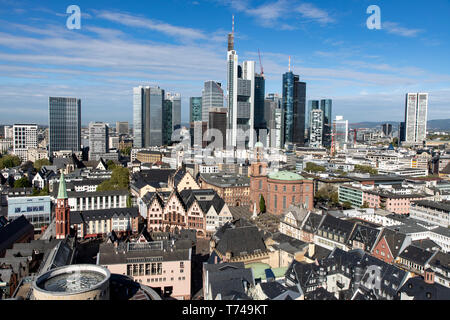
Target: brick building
(234, 189)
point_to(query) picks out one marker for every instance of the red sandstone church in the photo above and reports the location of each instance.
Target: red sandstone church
(279, 189)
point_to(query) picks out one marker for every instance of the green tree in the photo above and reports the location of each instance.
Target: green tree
(129, 203)
(22, 183)
(126, 151)
(38, 164)
(365, 169)
(9, 161)
(110, 165)
(346, 205)
(365, 205)
(262, 204)
(312, 167)
(120, 178)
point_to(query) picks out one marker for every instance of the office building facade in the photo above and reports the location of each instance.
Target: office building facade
(294, 101)
(64, 124)
(212, 97)
(340, 133)
(316, 128)
(218, 123)
(195, 109)
(416, 109)
(260, 119)
(25, 137)
(148, 116)
(122, 127)
(98, 139)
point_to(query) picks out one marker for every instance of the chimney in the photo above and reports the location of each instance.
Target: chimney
(429, 276)
(311, 249)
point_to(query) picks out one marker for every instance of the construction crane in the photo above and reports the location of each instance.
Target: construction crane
(260, 63)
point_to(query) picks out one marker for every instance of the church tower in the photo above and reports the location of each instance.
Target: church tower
(62, 210)
(258, 177)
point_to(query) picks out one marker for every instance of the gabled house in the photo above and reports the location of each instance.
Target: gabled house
(292, 221)
(311, 226)
(363, 237)
(390, 244)
(334, 232)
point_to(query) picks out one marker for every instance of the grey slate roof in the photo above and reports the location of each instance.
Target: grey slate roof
(78, 217)
(416, 255)
(419, 290)
(239, 239)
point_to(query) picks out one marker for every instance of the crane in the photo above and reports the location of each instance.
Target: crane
(260, 63)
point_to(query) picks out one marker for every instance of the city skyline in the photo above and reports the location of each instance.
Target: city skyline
(37, 57)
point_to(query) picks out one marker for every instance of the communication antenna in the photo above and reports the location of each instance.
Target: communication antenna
(260, 63)
(289, 63)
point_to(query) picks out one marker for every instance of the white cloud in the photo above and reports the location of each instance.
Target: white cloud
(395, 28)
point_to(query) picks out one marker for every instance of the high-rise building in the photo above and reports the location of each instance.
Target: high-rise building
(195, 109)
(212, 97)
(316, 128)
(312, 104)
(241, 98)
(260, 119)
(148, 116)
(167, 122)
(64, 124)
(387, 129)
(340, 133)
(218, 123)
(401, 132)
(98, 140)
(416, 108)
(24, 137)
(274, 115)
(175, 98)
(294, 101)
(9, 132)
(326, 105)
(122, 127)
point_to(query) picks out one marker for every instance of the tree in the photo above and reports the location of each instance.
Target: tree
(110, 165)
(346, 205)
(22, 183)
(9, 161)
(126, 151)
(262, 204)
(365, 169)
(120, 179)
(38, 164)
(395, 142)
(129, 203)
(312, 167)
(365, 205)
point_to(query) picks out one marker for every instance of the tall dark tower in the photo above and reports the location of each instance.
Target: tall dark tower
(62, 211)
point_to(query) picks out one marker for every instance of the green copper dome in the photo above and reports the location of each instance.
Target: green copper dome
(285, 175)
(62, 191)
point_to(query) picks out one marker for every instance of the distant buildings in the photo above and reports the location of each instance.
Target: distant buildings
(25, 137)
(416, 109)
(212, 97)
(387, 129)
(218, 123)
(122, 128)
(340, 133)
(64, 124)
(175, 101)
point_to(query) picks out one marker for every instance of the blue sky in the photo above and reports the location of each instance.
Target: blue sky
(181, 43)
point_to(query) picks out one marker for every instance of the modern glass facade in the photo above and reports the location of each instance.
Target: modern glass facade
(316, 128)
(64, 124)
(416, 109)
(212, 97)
(294, 104)
(37, 210)
(167, 122)
(195, 109)
(98, 139)
(175, 98)
(260, 120)
(326, 106)
(147, 116)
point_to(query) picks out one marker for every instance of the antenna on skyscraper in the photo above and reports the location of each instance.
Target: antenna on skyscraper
(232, 28)
(260, 63)
(231, 38)
(289, 63)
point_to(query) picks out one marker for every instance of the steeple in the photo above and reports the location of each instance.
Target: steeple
(62, 191)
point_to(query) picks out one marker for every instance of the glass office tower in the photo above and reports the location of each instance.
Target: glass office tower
(326, 105)
(195, 109)
(294, 103)
(167, 120)
(259, 121)
(147, 116)
(64, 124)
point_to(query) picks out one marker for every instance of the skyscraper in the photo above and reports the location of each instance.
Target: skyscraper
(24, 137)
(294, 100)
(175, 98)
(316, 128)
(98, 140)
(274, 117)
(312, 104)
(416, 108)
(212, 97)
(64, 124)
(195, 109)
(387, 129)
(148, 116)
(260, 121)
(167, 122)
(241, 98)
(326, 105)
(218, 123)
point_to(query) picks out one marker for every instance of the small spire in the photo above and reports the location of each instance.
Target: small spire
(62, 191)
(289, 63)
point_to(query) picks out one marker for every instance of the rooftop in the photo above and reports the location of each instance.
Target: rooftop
(285, 176)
